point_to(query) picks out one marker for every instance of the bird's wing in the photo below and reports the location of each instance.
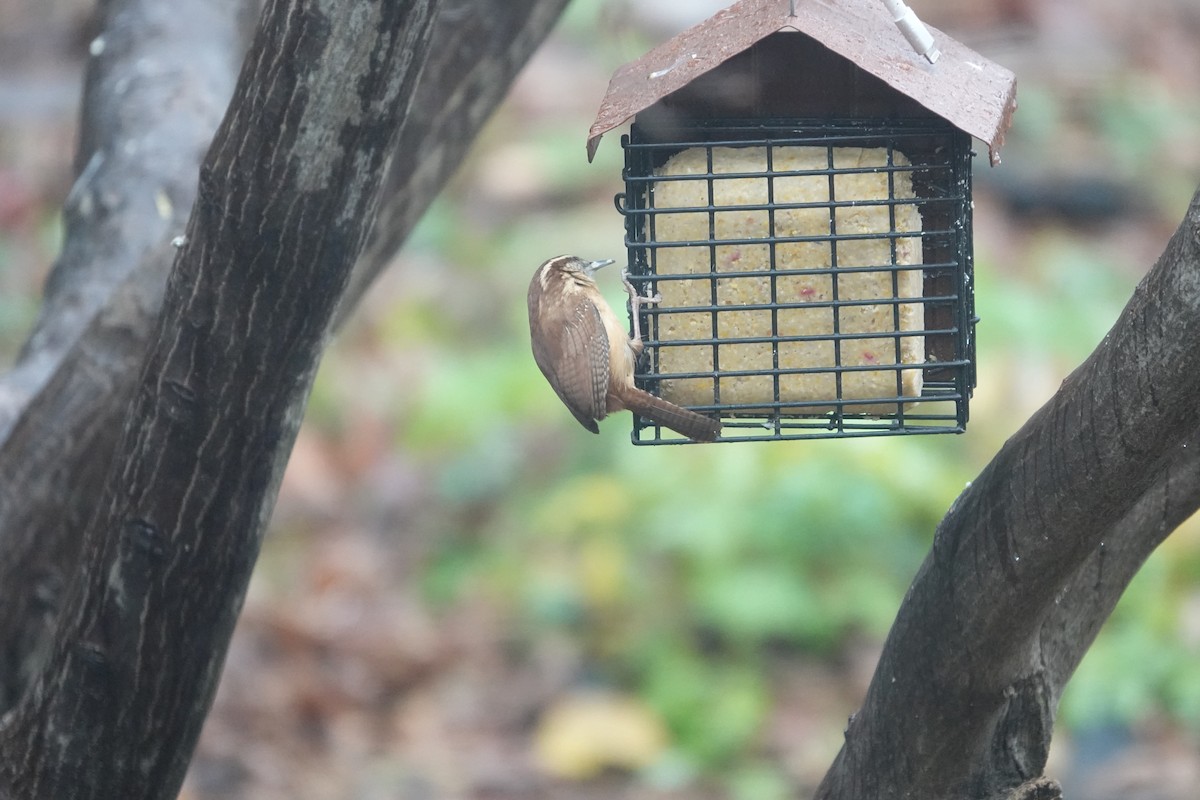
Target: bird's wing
(576, 362)
(585, 364)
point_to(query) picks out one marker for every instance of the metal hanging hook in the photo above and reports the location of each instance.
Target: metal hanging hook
(913, 30)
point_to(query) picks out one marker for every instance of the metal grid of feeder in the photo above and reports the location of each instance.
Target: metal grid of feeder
(815, 276)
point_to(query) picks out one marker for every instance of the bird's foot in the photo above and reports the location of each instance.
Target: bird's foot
(636, 301)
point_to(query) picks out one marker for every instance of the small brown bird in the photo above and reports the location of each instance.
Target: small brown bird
(583, 350)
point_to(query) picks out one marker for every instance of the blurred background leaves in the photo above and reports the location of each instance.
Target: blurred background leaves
(464, 593)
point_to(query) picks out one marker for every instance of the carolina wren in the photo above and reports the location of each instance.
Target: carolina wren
(583, 350)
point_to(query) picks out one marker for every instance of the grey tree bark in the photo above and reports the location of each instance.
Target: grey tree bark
(285, 192)
(155, 90)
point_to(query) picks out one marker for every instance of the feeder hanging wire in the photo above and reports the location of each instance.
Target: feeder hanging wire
(913, 29)
(910, 26)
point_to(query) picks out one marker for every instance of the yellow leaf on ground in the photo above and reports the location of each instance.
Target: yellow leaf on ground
(583, 734)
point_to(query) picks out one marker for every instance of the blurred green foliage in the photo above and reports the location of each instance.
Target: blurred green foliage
(677, 570)
(19, 283)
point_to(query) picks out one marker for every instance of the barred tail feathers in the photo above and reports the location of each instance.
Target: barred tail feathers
(688, 423)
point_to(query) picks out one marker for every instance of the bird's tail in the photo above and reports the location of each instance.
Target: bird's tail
(689, 423)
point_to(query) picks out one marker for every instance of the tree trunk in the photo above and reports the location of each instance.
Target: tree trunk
(286, 193)
(62, 406)
(62, 409)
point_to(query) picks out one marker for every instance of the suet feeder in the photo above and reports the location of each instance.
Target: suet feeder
(798, 192)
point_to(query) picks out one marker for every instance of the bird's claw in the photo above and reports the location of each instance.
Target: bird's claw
(636, 298)
(635, 308)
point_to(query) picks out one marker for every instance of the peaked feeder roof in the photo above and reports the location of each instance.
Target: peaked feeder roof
(974, 94)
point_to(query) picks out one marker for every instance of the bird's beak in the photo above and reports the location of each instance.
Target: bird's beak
(591, 268)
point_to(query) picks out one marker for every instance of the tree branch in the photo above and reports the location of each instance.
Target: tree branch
(286, 194)
(158, 81)
(1092, 593)
(1032, 556)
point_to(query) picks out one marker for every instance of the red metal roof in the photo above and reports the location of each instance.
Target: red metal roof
(974, 94)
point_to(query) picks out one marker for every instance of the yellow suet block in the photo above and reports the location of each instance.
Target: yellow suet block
(871, 294)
